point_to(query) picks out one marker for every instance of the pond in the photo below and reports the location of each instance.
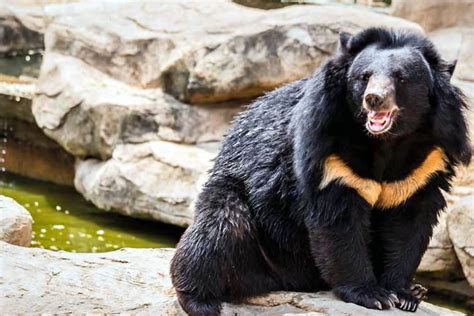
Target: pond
(22, 65)
(63, 220)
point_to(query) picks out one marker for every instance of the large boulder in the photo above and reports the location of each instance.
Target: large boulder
(461, 232)
(15, 222)
(465, 66)
(89, 113)
(435, 14)
(15, 35)
(203, 54)
(157, 180)
(135, 281)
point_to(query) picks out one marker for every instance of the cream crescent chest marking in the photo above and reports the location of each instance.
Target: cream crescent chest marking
(384, 194)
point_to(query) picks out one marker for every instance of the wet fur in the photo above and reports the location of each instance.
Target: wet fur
(263, 224)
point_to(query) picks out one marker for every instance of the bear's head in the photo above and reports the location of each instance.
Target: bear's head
(390, 89)
(390, 80)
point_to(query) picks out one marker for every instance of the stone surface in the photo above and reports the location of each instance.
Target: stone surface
(134, 281)
(90, 115)
(238, 53)
(465, 66)
(157, 180)
(12, 86)
(15, 35)
(461, 232)
(440, 260)
(15, 222)
(435, 14)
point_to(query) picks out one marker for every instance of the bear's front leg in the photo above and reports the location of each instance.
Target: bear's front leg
(338, 227)
(401, 236)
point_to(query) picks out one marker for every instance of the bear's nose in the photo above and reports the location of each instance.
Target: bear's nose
(374, 100)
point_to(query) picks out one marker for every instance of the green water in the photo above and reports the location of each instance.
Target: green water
(22, 65)
(63, 220)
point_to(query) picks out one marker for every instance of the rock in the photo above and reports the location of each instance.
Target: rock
(15, 222)
(134, 281)
(456, 43)
(15, 36)
(440, 260)
(448, 41)
(158, 180)
(435, 14)
(12, 86)
(461, 232)
(465, 67)
(90, 115)
(238, 53)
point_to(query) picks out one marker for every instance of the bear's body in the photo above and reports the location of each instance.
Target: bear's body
(302, 198)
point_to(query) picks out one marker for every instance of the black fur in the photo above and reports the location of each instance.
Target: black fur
(261, 223)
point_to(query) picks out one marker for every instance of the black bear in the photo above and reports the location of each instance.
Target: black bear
(331, 182)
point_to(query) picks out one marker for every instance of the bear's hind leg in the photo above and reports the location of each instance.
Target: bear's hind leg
(218, 258)
(196, 306)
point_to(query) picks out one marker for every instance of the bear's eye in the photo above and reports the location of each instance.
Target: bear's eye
(365, 77)
(401, 78)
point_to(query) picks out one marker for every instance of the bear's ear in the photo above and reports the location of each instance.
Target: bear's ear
(451, 66)
(344, 39)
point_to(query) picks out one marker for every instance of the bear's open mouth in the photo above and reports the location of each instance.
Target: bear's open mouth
(379, 122)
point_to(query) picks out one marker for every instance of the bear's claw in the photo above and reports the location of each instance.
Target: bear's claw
(418, 291)
(409, 300)
(369, 296)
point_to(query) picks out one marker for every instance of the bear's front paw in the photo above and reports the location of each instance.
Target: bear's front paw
(370, 296)
(407, 300)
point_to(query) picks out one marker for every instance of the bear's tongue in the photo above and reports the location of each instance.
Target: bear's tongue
(378, 120)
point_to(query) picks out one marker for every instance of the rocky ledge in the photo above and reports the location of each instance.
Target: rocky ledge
(134, 281)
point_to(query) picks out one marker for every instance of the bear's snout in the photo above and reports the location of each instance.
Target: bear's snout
(379, 94)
